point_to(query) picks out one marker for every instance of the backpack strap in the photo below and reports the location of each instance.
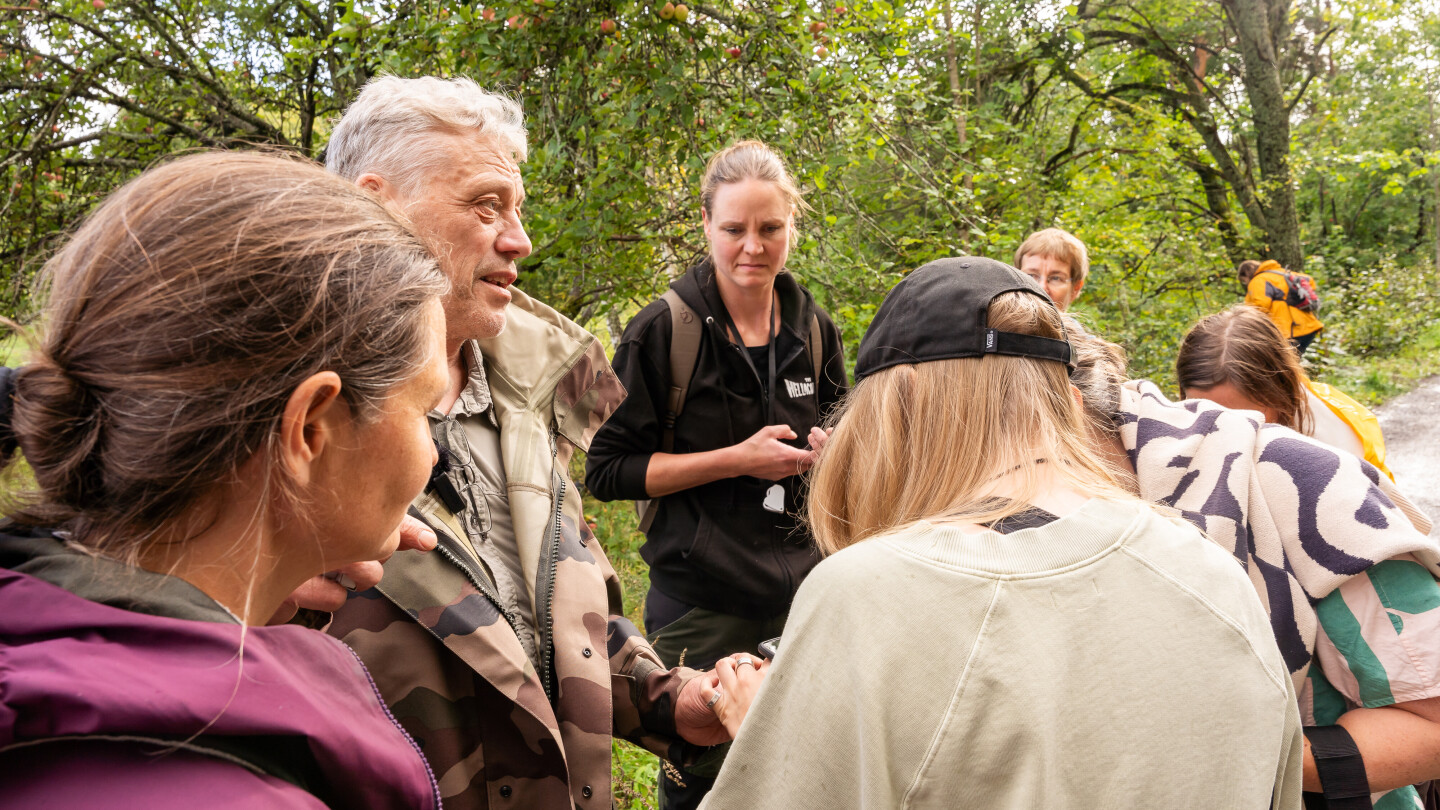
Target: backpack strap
(1341, 770)
(684, 353)
(685, 332)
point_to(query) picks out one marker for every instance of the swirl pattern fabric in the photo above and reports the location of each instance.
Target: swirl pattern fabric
(1301, 517)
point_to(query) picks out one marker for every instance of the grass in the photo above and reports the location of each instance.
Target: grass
(633, 770)
(1375, 380)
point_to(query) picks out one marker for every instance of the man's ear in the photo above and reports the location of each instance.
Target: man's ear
(309, 423)
(380, 187)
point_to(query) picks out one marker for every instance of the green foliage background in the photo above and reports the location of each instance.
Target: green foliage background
(918, 129)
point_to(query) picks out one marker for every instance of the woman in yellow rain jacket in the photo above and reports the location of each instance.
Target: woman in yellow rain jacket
(1267, 288)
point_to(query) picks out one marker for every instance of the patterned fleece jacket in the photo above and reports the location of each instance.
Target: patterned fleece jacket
(1300, 516)
(498, 730)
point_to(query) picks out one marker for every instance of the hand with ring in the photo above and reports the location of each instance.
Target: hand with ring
(737, 679)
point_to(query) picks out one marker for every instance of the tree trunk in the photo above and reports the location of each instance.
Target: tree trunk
(1259, 24)
(1435, 182)
(952, 63)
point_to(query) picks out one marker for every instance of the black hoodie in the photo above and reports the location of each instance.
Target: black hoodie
(714, 546)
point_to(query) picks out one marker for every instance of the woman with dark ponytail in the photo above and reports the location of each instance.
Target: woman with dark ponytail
(227, 397)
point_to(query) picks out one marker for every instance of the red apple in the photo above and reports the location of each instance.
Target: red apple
(99, 4)
(607, 27)
(488, 15)
(734, 52)
(822, 51)
(667, 11)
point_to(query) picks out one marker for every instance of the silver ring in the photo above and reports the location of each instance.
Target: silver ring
(745, 660)
(715, 698)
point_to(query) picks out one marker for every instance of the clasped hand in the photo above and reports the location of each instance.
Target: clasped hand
(713, 704)
(766, 455)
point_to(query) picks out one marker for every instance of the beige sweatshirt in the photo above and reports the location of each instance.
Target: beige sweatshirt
(1112, 659)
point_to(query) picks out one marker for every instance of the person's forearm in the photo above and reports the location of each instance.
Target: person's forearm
(673, 472)
(1399, 748)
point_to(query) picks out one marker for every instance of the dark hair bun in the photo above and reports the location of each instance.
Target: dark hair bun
(62, 420)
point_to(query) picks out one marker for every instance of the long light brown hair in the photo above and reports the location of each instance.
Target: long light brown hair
(181, 316)
(1243, 347)
(925, 440)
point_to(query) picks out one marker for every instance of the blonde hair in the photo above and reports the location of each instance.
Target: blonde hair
(748, 160)
(924, 440)
(1054, 243)
(1243, 347)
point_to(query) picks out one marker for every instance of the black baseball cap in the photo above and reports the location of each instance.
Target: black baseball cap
(938, 312)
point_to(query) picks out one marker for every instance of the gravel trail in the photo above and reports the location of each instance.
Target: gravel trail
(1412, 442)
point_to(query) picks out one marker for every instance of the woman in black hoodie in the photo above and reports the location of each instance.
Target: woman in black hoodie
(725, 549)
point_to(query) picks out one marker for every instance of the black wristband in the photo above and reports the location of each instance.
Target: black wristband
(1340, 767)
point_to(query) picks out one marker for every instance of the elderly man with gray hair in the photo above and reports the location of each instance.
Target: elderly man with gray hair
(502, 652)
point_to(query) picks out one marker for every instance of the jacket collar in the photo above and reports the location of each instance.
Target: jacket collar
(698, 289)
(475, 396)
(47, 556)
(546, 362)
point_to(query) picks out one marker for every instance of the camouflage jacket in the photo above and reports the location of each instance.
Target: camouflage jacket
(498, 730)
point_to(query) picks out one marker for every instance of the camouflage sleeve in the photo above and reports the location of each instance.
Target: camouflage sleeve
(643, 691)
(645, 694)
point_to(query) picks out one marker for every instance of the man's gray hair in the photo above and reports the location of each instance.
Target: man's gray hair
(388, 130)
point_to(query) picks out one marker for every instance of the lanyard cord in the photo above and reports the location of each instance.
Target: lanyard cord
(769, 391)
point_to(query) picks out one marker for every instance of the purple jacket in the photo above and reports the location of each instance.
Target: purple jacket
(121, 687)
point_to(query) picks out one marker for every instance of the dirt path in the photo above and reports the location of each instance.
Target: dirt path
(1412, 442)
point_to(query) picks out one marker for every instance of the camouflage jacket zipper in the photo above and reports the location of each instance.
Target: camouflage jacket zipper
(546, 585)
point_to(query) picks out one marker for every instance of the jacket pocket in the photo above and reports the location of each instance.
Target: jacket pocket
(739, 557)
(704, 528)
